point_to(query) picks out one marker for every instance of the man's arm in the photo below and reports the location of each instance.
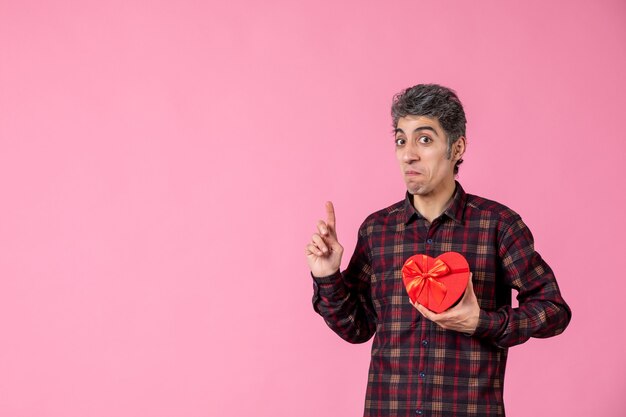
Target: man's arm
(343, 299)
(542, 312)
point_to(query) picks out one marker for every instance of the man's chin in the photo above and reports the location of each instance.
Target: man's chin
(414, 189)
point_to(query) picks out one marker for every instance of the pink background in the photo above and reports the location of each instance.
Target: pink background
(163, 163)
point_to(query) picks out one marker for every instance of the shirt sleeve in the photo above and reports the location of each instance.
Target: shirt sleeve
(344, 299)
(542, 312)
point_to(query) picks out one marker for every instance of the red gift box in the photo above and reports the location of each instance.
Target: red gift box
(437, 283)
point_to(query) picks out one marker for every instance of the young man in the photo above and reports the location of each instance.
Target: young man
(451, 363)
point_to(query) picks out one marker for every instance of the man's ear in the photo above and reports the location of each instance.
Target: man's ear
(458, 148)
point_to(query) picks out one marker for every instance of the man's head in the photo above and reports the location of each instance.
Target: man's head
(429, 126)
(436, 102)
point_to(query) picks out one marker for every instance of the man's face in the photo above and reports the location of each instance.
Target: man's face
(422, 152)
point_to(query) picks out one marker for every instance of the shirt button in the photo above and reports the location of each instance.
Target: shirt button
(424, 343)
(422, 374)
(429, 241)
(419, 412)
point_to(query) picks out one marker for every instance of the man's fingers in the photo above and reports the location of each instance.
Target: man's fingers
(330, 214)
(423, 310)
(311, 249)
(322, 228)
(327, 233)
(426, 313)
(319, 243)
(470, 287)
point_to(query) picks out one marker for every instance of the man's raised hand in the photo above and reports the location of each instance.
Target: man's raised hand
(324, 252)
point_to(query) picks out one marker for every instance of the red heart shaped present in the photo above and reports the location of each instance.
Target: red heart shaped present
(437, 283)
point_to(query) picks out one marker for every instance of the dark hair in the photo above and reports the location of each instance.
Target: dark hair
(436, 101)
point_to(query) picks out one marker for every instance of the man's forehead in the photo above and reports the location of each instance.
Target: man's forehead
(410, 123)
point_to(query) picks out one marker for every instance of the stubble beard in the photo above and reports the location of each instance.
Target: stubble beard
(418, 189)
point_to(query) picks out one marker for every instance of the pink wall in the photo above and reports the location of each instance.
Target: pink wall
(163, 163)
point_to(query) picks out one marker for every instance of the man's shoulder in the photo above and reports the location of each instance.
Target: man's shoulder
(483, 207)
(386, 217)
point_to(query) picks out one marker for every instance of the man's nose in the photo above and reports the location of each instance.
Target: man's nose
(410, 152)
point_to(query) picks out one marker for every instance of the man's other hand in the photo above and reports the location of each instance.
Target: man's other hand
(324, 252)
(463, 317)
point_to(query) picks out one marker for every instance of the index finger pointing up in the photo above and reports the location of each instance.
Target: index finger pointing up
(330, 214)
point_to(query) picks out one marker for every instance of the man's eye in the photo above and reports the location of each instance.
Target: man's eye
(424, 139)
(400, 141)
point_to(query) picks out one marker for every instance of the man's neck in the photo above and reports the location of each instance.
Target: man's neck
(431, 206)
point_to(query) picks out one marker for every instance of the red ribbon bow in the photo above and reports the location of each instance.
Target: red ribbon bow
(419, 280)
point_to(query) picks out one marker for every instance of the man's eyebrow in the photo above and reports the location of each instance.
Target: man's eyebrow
(417, 129)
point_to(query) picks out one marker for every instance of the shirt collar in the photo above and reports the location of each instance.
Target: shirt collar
(454, 211)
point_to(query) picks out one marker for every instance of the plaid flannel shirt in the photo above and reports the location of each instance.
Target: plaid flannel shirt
(418, 368)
